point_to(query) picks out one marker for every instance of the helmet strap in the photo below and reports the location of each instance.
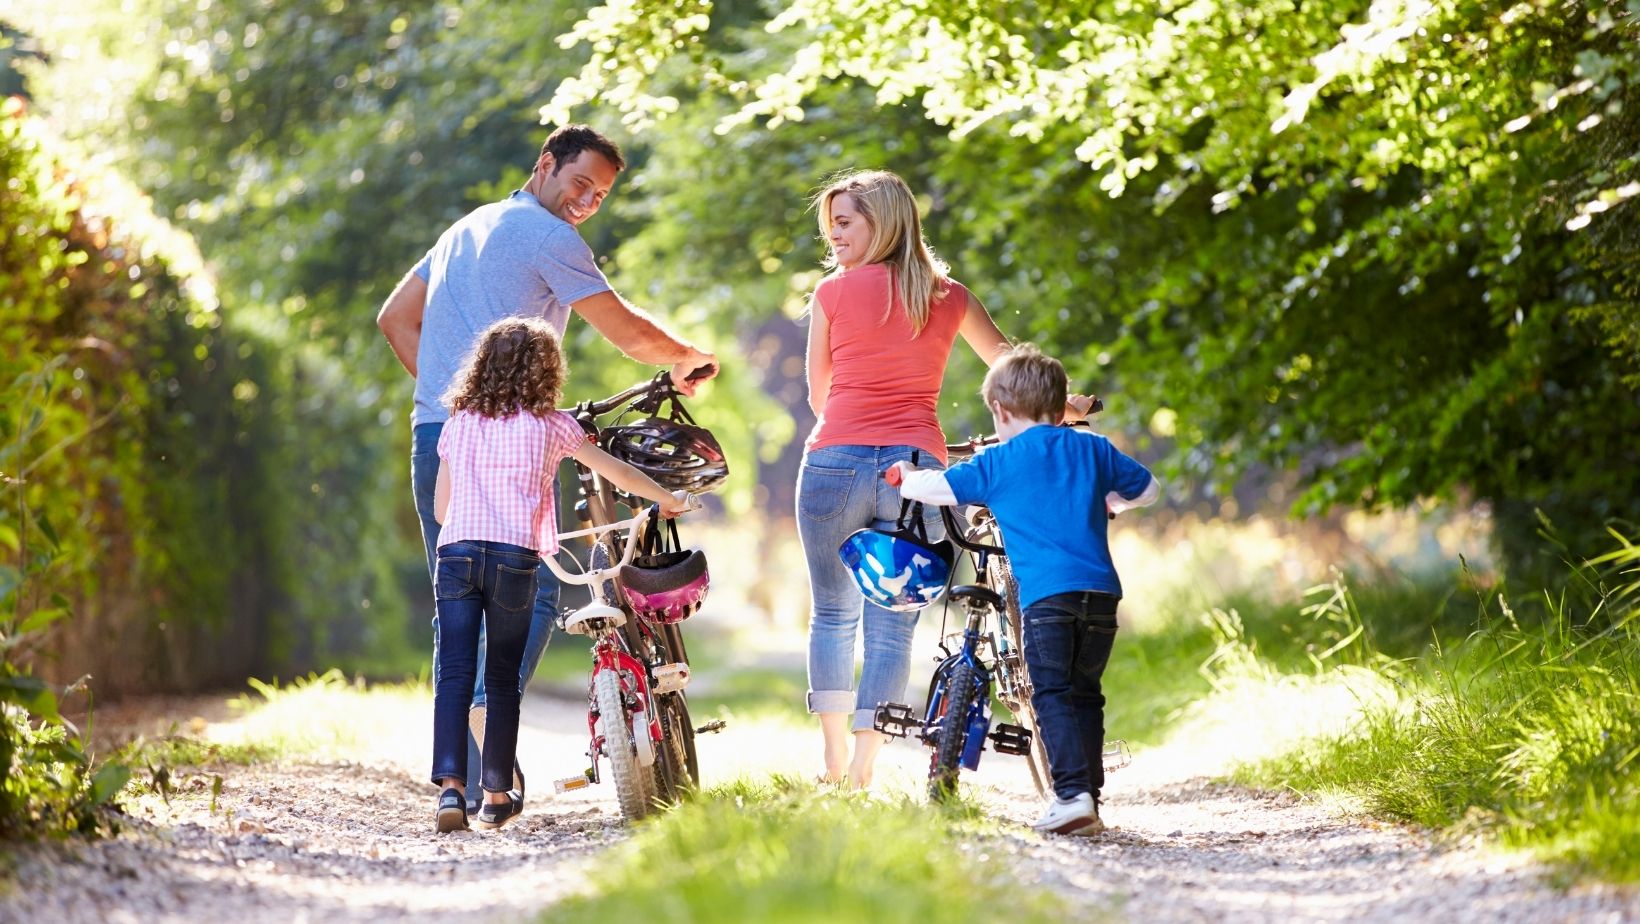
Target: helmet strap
(914, 522)
(655, 535)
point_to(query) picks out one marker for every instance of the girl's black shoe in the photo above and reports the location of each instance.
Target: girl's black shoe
(452, 812)
(492, 815)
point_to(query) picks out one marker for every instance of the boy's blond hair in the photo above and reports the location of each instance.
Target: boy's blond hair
(1027, 383)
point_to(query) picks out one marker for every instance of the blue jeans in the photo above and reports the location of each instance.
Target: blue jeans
(1068, 638)
(840, 489)
(485, 590)
(424, 477)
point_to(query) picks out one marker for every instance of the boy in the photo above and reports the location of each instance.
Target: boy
(1050, 488)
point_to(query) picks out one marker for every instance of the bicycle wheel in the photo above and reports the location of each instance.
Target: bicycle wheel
(633, 782)
(953, 734)
(676, 759)
(675, 651)
(1018, 680)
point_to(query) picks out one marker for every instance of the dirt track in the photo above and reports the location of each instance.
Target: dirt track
(353, 841)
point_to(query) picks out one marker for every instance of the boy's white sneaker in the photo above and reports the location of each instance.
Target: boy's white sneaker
(1078, 815)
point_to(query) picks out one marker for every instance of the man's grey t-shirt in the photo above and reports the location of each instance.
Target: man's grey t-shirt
(506, 259)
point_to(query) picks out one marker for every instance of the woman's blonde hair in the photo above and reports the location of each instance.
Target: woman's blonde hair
(896, 237)
(516, 366)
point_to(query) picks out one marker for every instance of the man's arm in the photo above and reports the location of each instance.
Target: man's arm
(400, 319)
(642, 338)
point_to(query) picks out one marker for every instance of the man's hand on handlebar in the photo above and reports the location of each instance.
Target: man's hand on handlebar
(689, 373)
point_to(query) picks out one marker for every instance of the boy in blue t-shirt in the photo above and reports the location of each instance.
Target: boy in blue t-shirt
(1050, 489)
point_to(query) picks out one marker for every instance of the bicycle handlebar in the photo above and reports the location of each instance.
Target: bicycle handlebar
(658, 388)
(972, 446)
(958, 535)
(600, 574)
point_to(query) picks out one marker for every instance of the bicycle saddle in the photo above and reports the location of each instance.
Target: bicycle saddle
(978, 592)
(592, 619)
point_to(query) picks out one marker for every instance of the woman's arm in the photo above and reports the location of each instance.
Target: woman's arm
(629, 479)
(981, 332)
(819, 357)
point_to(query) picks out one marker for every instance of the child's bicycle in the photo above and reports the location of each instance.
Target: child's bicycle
(957, 719)
(640, 665)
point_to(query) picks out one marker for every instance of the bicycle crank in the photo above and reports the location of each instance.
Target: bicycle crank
(716, 725)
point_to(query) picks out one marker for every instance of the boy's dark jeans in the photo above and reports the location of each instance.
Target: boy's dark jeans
(1067, 643)
(489, 586)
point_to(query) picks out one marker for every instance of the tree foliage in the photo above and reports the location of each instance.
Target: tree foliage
(1388, 245)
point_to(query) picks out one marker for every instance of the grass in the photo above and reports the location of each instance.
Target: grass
(1528, 733)
(779, 850)
(176, 750)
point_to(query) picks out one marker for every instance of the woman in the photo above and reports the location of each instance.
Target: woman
(881, 329)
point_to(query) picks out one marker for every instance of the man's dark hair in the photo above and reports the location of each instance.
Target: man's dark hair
(567, 142)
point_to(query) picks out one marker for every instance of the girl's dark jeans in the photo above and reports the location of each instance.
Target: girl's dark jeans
(489, 586)
(1067, 644)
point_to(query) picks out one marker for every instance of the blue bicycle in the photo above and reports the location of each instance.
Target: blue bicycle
(957, 720)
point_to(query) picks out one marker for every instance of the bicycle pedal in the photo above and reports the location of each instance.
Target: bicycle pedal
(670, 678)
(1116, 755)
(712, 727)
(569, 784)
(1011, 739)
(893, 719)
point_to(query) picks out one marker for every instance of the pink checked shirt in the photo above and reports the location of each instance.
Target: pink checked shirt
(501, 473)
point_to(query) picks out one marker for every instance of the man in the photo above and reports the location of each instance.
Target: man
(520, 256)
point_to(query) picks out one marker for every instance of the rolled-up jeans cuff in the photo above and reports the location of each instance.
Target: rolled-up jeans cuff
(822, 701)
(865, 719)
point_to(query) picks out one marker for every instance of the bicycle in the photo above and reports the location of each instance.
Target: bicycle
(640, 664)
(962, 684)
(957, 720)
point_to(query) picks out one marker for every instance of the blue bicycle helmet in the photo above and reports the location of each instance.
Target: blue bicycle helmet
(899, 569)
(895, 570)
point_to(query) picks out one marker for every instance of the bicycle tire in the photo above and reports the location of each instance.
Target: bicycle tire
(673, 636)
(674, 758)
(1002, 581)
(633, 782)
(953, 734)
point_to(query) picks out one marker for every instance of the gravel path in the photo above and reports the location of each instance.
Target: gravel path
(353, 841)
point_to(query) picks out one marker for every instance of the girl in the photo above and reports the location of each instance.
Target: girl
(880, 331)
(499, 454)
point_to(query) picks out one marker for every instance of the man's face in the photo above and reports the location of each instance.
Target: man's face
(578, 188)
(850, 234)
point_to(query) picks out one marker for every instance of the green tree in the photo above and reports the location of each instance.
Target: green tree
(1388, 246)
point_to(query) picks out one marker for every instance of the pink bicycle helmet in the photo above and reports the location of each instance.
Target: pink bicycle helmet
(665, 583)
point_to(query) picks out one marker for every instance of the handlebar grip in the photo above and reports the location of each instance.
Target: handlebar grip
(893, 476)
(702, 373)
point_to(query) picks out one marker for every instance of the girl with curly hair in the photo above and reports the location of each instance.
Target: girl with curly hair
(499, 454)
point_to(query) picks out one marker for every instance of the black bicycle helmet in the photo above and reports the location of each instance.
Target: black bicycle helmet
(677, 453)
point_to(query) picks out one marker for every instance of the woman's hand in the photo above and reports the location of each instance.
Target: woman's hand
(1078, 407)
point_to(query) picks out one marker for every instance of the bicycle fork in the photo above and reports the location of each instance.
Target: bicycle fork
(635, 697)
